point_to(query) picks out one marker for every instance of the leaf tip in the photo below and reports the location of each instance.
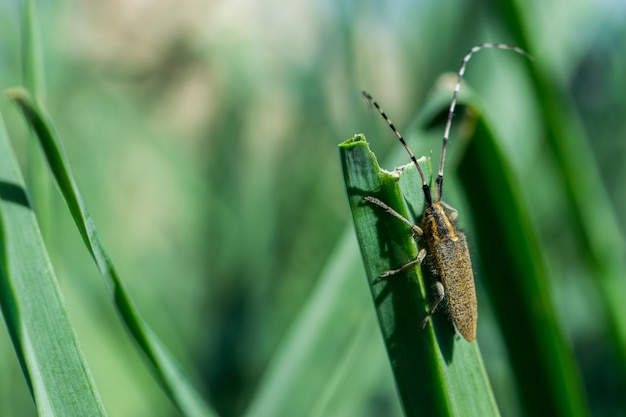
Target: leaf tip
(18, 94)
(357, 139)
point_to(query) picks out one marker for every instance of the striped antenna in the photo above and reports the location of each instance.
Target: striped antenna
(425, 186)
(457, 87)
(446, 134)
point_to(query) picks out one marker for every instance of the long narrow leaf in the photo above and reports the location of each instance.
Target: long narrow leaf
(33, 307)
(32, 59)
(597, 230)
(314, 351)
(34, 80)
(514, 273)
(168, 371)
(437, 372)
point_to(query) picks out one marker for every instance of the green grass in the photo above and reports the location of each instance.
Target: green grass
(33, 307)
(437, 372)
(166, 369)
(203, 139)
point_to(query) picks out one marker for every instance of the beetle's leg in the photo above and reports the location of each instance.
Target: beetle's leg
(440, 296)
(420, 257)
(417, 231)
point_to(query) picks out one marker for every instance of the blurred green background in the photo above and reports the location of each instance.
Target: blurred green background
(203, 135)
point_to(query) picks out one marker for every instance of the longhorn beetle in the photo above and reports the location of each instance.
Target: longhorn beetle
(445, 246)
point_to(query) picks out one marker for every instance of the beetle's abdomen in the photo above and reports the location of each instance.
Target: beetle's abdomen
(451, 261)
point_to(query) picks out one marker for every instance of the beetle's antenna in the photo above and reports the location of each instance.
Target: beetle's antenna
(425, 186)
(446, 133)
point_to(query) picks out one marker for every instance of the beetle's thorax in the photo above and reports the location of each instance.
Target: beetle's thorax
(437, 223)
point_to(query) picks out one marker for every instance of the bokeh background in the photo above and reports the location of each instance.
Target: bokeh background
(203, 135)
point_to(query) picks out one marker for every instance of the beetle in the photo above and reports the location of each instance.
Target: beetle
(445, 246)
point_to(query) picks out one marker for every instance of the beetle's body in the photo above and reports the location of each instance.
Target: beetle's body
(449, 259)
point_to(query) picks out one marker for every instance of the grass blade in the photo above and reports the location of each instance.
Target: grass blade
(33, 307)
(32, 59)
(515, 276)
(301, 374)
(167, 370)
(598, 231)
(34, 80)
(437, 372)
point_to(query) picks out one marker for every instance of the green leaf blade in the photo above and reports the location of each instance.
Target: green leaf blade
(34, 309)
(330, 343)
(437, 372)
(166, 368)
(515, 276)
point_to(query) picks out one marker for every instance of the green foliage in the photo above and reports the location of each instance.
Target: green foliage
(203, 136)
(165, 367)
